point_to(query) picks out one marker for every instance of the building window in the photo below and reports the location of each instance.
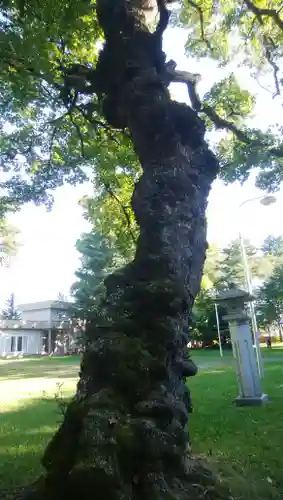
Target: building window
(19, 344)
(13, 344)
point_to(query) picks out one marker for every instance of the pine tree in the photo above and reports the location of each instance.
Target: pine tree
(98, 259)
(10, 311)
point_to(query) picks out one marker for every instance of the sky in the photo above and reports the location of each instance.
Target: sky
(47, 258)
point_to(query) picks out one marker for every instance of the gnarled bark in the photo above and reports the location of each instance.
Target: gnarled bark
(125, 435)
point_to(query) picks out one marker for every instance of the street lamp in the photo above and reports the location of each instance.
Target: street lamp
(265, 200)
(212, 293)
(218, 329)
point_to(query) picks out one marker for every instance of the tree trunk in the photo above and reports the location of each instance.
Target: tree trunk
(124, 435)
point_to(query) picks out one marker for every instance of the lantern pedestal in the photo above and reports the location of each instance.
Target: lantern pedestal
(249, 384)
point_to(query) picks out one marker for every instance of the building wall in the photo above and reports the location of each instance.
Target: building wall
(31, 341)
(37, 315)
(53, 317)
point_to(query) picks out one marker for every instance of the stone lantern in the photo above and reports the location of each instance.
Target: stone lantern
(249, 382)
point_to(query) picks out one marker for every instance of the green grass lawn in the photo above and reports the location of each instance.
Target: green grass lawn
(245, 445)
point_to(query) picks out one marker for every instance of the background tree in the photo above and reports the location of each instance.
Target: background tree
(270, 301)
(8, 241)
(225, 266)
(10, 311)
(212, 269)
(230, 267)
(111, 215)
(204, 323)
(273, 245)
(62, 297)
(98, 259)
(272, 255)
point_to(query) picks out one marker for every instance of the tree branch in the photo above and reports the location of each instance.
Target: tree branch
(20, 65)
(268, 45)
(201, 18)
(191, 79)
(179, 76)
(53, 135)
(94, 121)
(274, 66)
(259, 12)
(222, 123)
(79, 133)
(123, 208)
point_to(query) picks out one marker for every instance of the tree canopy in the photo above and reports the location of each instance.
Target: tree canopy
(53, 130)
(10, 311)
(247, 34)
(51, 134)
(273, 246)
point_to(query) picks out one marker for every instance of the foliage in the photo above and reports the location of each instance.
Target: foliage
(273, 246)
(98, 258)
(8, 241)
(239, 35)
(10, 311)
(271, 256)
(270, 300)
(228, 263)
(231, 267)
(110, 211)
(212, 270)
(225, 266)
(54, 133)
(204, 323)
(46, 141)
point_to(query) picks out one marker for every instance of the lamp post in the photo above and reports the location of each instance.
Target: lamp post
(265, 200)
(218, 329)
(212, 293)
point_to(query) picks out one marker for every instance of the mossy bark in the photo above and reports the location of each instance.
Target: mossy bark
(125, 434)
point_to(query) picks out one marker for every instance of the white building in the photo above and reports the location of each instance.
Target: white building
(44, 327)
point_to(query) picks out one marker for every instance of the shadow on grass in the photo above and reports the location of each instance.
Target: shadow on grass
(246, 440)
(64, 367)
(24, 434)
(40, 374)
(244, 443)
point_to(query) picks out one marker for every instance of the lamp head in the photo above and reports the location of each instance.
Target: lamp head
(268, 200)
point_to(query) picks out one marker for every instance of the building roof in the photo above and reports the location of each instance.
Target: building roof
(45, 304)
